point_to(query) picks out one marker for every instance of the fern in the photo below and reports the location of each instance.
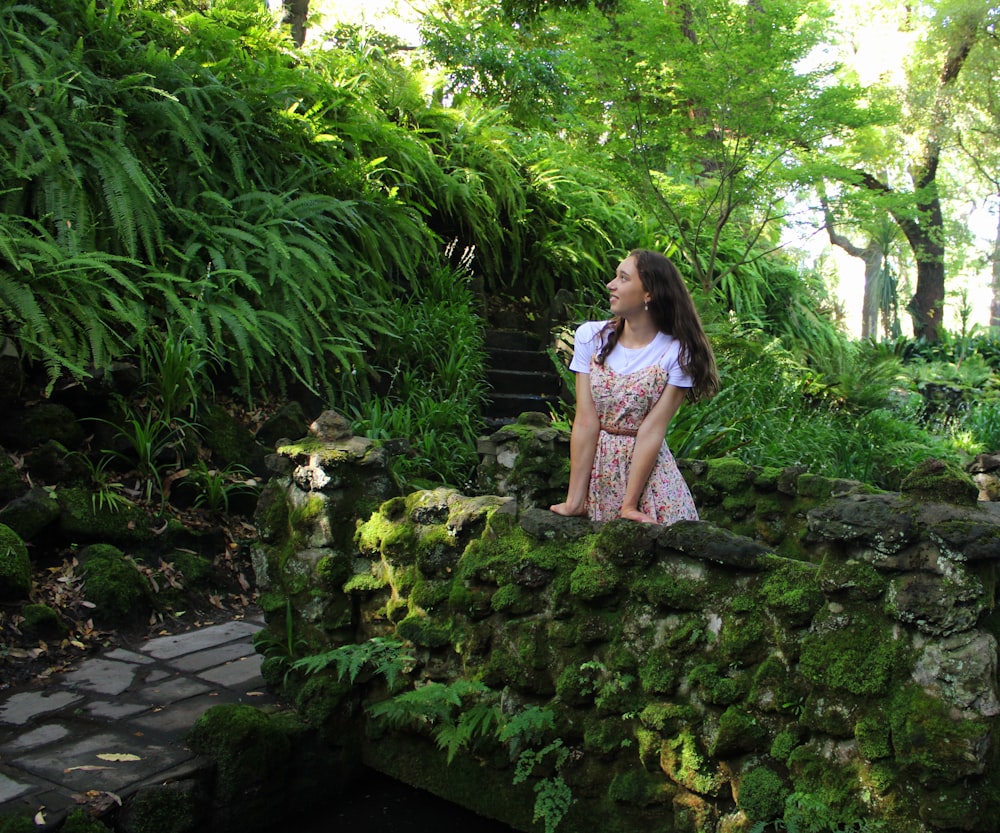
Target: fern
(378, 655)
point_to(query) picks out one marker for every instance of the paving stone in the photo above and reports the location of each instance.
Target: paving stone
(166, 647)
(73, 765)
(104, 676)
(23, 706)
(216, 656)
(178, 717)
(128, 656)
(106, 710)
(11, 789)
(236, 674)
(49, 733)
(179, 688)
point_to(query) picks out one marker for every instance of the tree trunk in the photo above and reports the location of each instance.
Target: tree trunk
(995, 303)
(296, 15)
(873, 256)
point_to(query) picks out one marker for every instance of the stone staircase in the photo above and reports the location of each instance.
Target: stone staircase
(520, 374)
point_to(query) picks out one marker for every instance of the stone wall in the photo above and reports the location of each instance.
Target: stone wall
(809, 647)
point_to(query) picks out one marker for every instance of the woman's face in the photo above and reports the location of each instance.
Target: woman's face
(628, 295)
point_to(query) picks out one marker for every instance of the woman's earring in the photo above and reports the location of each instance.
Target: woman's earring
(645, 305)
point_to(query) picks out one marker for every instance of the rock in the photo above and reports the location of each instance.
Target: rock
(32, 513)
(15, 566)
(49, 421)
(878, 525)
(231, 443)
(11, 484)
(288, 421)
(937, 605)
(940, 481)
(330, 426)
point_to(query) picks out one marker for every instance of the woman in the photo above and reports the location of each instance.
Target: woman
(632, 374)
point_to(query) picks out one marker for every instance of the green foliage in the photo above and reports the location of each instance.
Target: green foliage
(762, 795)
(804, 813)
(433, 367)
(377, 656)
(216, 486)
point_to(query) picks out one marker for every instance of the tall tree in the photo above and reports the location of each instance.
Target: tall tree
(296, 17)
(948, 33)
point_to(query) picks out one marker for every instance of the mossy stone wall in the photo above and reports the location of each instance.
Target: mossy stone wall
(808, 641)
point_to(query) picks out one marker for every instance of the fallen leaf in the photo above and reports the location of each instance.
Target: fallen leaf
(255, 694)
(118, 756)
(40, 817)
(86, 768)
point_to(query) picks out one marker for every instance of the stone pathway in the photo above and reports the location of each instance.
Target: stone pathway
(118, 720)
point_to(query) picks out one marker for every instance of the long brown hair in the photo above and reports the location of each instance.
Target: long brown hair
(674, 313)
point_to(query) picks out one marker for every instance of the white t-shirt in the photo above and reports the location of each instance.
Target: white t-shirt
(663, 350)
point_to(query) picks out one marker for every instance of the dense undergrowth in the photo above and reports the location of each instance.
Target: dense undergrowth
(310, 223)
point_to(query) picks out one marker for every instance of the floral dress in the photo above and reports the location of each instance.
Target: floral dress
(623, 400)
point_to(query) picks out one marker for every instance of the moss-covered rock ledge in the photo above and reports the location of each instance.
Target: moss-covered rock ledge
(546, 671)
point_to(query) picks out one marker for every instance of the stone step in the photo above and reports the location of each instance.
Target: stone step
(514, 340)
(508, 406)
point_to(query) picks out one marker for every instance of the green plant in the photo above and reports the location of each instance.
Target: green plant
(174, 369)
(216, 486)
(152, 444)
(378, 655)
(107, 487)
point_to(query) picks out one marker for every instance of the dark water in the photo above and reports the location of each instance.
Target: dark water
(383, 805)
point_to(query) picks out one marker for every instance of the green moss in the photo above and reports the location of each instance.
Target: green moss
(15, 566)
(423, 631)
(762, 794)
(659, 673)
(773, 688)
(675, 590)
(271, 514)
(250, 748)
(195, 569)
(835, 786)
(739, 732)
(714, 686)
(625, 543)
(940, 481)
(165, 808)
(728, 475)
(684, 763)
(741, 639)
(791, 589)
(515, 600)
(17, 824)
(872, 735)
(783, 744)
(333, 570)
(667, 718)
(636, 787)
(858, 653)
(606, 735)
(272, 601)
(430, 594)
(856, 579)
(593, 580)
(114, 584)
(320, 703)
(926, 737)
(83, 519)
(42, 621)
(365, 583)
(815, 486)
(436, 550)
